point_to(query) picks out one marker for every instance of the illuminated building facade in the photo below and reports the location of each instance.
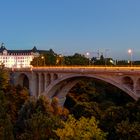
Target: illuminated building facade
(17, 58)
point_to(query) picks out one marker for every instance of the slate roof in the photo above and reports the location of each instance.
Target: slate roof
(33, 50)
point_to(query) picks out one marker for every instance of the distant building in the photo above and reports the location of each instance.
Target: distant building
(17, 58)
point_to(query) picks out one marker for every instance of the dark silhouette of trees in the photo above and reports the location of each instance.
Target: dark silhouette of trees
(76, 59)
(114, 110)
(46, 58)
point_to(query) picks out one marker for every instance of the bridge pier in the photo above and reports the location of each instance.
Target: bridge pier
(33, 89)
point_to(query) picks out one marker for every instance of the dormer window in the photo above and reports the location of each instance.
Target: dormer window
(5, 52)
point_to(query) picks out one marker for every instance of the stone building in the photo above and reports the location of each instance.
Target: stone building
(17, 58)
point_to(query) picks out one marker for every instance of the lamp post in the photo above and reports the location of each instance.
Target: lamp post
(88, 56)
(130, 52)
(43, 60)
(106, 56)
(60, 59)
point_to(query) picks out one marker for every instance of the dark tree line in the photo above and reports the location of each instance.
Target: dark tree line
(117, 113)
(50, 58)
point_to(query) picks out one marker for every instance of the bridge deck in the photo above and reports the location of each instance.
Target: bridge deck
(81, 68)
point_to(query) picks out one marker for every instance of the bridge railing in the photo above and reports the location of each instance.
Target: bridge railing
(71, 68)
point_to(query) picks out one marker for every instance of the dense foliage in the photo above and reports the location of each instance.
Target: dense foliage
(82, 129)
(48, 58)
(95, 110)
(117, 113)
(77, 59)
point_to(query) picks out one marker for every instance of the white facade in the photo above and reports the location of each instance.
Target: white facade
(16, 59)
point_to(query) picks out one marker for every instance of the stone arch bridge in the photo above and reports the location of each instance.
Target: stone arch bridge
(57, 81)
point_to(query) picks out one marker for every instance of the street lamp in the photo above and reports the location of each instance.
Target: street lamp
(106, 56)
(88, 56)
(60, 59)
(43, 60)
(130, 52)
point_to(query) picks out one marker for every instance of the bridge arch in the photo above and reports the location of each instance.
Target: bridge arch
(23, 80)
(61, 87)
(128, 82)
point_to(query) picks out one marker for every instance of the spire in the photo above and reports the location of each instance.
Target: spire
(34, 49)
(2, 46)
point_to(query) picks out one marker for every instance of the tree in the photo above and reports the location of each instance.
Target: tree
(86, 109)
(4, 79)
(50, 57)
(110, 118)
(6, 127)
(45, 58)
(126, 130)
(15, 97)
(76, 59)
(122, 62)
(101, 61)
(38, 118)
(82, 129)
(40, 127)
(134, 111)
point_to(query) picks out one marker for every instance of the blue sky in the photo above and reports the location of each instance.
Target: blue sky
(69, 26)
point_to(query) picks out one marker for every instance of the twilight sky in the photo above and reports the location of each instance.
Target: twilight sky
(69, 26)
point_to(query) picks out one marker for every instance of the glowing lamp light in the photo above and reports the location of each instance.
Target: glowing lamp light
(129, 51)
(87, 53)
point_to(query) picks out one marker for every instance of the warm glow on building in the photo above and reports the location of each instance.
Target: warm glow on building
(17, 58)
